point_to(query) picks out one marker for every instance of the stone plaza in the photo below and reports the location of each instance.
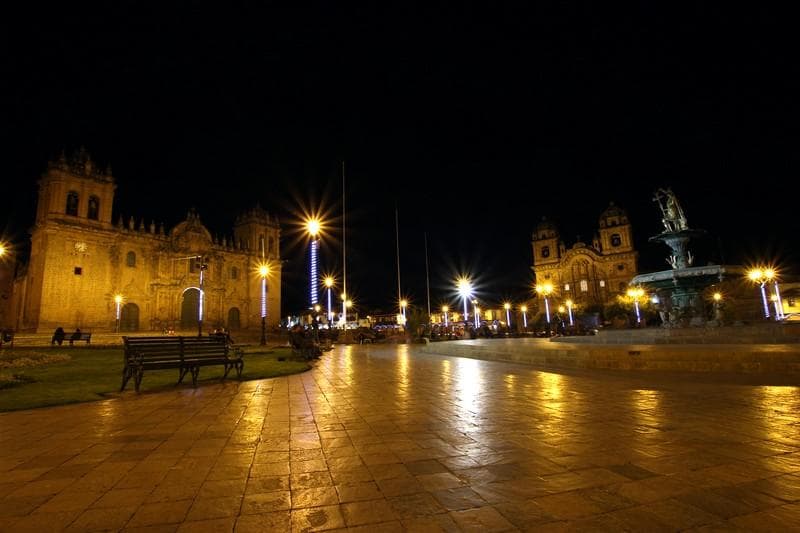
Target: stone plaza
(413, 438)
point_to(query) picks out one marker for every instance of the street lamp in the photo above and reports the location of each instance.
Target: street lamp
(762, 276)
(475, 312)
(465, 290)
(507, 307)
(524, 310)
(545, 289)
(263, 271)
(569, 310)
(313, 227)
(118, 301)
(635, 293)
(403, 305)
(329, 285)
(445, 309)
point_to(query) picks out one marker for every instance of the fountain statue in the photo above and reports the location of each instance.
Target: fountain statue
(680, 288)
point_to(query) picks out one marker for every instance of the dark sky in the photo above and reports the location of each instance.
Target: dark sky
(472, 121)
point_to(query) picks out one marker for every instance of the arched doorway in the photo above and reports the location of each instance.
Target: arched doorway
(233, 318)
(189, 309)
(129, 317)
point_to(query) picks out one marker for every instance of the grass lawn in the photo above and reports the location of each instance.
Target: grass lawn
(39, 377)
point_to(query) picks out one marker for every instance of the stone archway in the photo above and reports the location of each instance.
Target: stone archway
(189, 308)
(129, 317)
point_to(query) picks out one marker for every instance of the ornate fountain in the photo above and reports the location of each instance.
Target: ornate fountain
(680, 289)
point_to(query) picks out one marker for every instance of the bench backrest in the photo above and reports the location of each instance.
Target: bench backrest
(174, 348)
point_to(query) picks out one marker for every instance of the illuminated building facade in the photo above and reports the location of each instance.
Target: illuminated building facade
(588, 275)
(80, 260)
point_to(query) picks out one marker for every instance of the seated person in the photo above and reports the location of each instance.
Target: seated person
(76, 336)
(58, 336)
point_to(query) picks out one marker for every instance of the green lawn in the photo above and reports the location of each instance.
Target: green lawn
(39, 377)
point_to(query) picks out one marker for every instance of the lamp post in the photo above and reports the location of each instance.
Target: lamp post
(263, 271)
(329, 285)
(118, 302)
(475, 312)
(445, 309)
(313, 227)
(507, 307)
(545, 289)
(569, 311)
(347, 304)
(203, 267)
(403, 305)
(465, 290)
(762, 276)
(524, 310)
(635, 293)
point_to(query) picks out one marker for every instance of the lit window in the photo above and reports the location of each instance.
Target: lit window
(566, 286)
(584, 285)
(602, 283)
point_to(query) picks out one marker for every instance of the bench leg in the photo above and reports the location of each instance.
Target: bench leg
(138, 378)
(184, 370)
(195, 373)
(126, 376)
(239, 368)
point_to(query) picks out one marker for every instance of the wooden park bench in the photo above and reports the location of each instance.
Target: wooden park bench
(187, 354)
(7, 337)
(82, 336)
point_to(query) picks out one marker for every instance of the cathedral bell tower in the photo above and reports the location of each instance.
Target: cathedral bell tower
(74, 190)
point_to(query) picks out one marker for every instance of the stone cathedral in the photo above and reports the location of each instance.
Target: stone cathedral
(587, 275)
(80, 260)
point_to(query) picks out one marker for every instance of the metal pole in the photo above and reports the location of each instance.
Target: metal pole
(778, 303)
(200, 302)
(764, 299)
(263, 311)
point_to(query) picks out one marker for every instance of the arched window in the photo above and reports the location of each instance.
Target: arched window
(72, 203)
(234, 272)
(584, 285)
(94, 208)
(545, 251)
(130, 259)
(272, 249)
(616, 240)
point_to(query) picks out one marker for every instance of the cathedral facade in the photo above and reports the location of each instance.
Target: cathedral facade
(589, 276)
(89, 272)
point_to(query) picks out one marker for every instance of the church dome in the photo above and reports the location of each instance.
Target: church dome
(545, 229)
(614, 215)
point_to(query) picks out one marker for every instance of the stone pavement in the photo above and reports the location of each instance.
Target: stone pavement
(386, 438)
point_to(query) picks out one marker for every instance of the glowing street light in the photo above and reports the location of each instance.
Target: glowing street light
(465, 290)
(263, 272)
(507, 307)
(329, 285)
(3, 249)
(635, 293)
(118, 301)
(524, 310)
(403, 305)
(313, 228)
(545, 289)
(762, 276)
(445, 310)
(569, 310)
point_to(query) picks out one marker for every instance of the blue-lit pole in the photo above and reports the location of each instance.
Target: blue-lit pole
(200, 300)
(524, 309)
(445, 309)
(475, 312)
(508, 315)
(778, 303)
(569, 310)
(313, 282)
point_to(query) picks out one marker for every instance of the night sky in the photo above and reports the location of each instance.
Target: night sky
(472, 122)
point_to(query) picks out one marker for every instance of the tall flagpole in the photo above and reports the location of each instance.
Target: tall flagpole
(344, 256)
(397, 241)
(427, 276)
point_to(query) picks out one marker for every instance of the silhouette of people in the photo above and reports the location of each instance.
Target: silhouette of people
(76, 336)
(58, 336)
